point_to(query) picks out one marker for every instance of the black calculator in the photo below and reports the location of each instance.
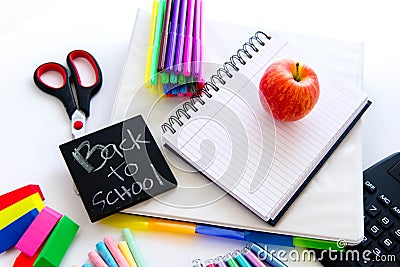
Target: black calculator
(381, 243)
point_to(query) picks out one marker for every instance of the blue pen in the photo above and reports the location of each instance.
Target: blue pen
(264, 255)
(105, 254)
(180, 38)
(173, 31)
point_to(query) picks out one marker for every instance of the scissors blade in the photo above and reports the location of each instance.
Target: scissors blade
(78, 124)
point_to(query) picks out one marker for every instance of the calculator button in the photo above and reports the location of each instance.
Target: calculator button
(387, 243)
(366, 220)
(375, 231)
(372, 210)
(382, 198)
(396, 234)
(396, 211)
(370, 187)
(385, 221)
(377, 251)
(365, 264)
(365, 241)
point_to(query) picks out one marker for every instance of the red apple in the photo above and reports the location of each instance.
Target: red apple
(291, 90)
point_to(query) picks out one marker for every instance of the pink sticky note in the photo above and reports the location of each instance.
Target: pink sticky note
(38, 231)
(113, 248)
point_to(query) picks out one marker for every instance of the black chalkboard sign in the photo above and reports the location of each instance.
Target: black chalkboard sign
(117, 167)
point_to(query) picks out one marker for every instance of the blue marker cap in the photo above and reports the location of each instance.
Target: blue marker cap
(264, 255)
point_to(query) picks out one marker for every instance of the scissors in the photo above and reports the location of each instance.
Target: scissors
(77, 113)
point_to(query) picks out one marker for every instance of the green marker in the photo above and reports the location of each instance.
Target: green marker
(181, 79)
(230, 260)
(243, 262)
(157, 40)
(58, 243)
(127, 234)
(173, 78)
(164, 77)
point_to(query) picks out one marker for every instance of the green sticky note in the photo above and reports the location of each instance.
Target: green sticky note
(57, 244)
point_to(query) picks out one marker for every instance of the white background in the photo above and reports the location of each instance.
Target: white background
(34, 124)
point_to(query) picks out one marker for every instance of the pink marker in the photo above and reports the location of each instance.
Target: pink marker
(96, 259)
(113, 248)
(38, 231)
(187, 53)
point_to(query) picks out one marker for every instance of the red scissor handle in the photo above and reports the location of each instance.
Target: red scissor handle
(84, 93)
(64, 92)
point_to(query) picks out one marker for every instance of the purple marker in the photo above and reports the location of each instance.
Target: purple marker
(187, 54)
(219, 261)
(252, 258)
(180, 38)
(197, 41)
(164, 36)
(173, 31)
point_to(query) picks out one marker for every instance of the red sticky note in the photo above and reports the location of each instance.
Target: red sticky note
(19, 194)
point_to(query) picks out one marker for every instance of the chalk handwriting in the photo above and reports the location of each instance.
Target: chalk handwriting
(107, 152)
(122, 193)
(127, 170)
(83, 160)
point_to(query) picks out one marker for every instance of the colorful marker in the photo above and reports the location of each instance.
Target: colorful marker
(219, 262)
(230, 261)
(156, 44)
(264, 255)
(151, 42)
(243, 262)
(252, 258)
(164, 36)
(143, 223)
(123, 246)
(210, 263)
(197, 263)
(127, 234)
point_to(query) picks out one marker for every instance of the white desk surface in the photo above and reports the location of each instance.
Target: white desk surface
(33, 32)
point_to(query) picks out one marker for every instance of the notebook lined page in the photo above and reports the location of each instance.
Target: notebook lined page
(237, 144)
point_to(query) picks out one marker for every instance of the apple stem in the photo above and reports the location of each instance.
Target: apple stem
(296, 76)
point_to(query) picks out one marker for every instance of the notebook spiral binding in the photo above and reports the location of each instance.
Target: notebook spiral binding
(214, 79)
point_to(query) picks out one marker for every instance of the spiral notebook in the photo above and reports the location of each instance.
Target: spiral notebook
(228, 136)
(330, 206)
